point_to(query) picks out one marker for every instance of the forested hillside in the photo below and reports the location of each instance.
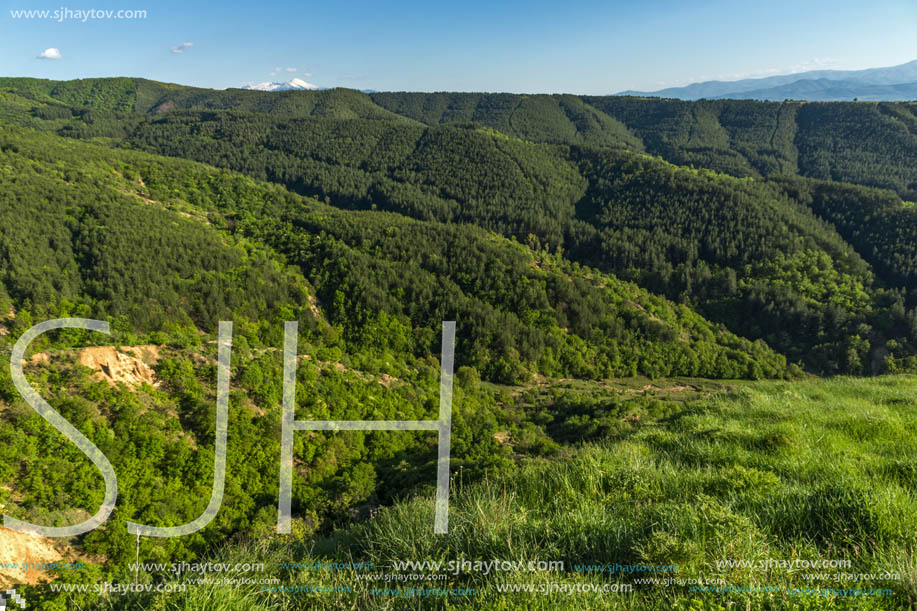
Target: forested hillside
(746, 253)
(821, 271)
(98, 232)
(868, 143)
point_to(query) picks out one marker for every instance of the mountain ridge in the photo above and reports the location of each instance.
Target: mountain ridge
(294, 84)
(866, 79)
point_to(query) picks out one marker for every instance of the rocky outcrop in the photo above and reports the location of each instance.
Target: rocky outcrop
(113, 366)
(130, 365)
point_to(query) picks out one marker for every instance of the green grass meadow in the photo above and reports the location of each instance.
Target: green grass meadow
(809, 470)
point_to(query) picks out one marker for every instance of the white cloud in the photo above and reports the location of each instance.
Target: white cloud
(279, 70)
(182, 47)
(51, 53)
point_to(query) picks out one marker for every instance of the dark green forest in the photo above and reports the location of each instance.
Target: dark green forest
(787, 251)
(766, 259)
(868, 143)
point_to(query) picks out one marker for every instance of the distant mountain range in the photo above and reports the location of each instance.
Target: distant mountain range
(291, 85)
(896, 83)
(295, 84)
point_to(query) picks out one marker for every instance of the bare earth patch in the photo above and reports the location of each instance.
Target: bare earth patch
(131, 365)
(20, 548)
(113, 366)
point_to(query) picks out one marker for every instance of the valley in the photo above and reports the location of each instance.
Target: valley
(686, 335)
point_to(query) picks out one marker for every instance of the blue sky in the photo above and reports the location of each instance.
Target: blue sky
(588, 47)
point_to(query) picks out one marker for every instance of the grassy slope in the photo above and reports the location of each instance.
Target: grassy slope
(820, 469)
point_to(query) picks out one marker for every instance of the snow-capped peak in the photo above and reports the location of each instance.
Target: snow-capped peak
(292, 84)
